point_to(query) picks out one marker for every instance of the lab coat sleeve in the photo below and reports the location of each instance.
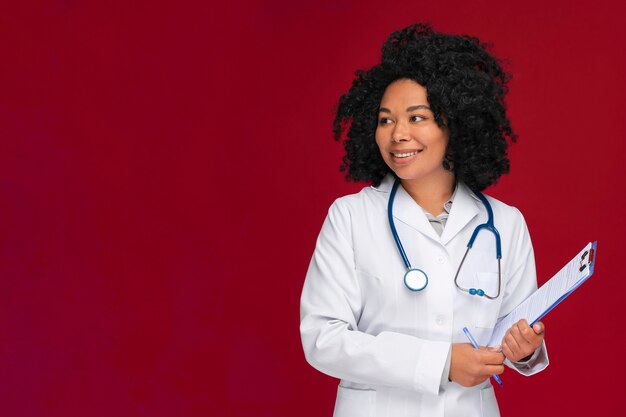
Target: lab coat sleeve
(331, 305)
(521, 283)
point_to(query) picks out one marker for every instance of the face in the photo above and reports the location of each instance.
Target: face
(409, 139)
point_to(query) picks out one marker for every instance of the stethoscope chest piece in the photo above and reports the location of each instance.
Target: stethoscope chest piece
(415, 279)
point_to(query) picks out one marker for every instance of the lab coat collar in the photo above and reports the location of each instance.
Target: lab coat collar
(386, 184)
(464, 208)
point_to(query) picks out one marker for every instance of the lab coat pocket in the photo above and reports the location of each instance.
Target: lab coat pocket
(488, 402)
(486, 311)
(489, 282)
(355, 402)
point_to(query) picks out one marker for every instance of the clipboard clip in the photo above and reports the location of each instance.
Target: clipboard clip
(584, 264)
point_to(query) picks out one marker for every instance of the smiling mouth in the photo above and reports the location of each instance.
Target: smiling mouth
(404, 154)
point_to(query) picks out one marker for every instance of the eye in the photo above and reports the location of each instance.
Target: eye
(384, 121)
(417, 118)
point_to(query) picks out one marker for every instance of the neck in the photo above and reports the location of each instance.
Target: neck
(432, 194)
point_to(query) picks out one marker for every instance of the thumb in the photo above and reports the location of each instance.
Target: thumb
(538, 327)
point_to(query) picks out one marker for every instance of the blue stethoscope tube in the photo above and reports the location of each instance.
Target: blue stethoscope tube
(416, 280)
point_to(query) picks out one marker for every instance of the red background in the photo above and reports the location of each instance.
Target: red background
(165, 168)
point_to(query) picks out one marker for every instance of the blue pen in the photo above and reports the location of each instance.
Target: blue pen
(475, 344)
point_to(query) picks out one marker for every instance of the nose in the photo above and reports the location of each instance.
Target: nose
(400, 132)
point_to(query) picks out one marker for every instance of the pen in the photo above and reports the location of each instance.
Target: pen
(475, 344)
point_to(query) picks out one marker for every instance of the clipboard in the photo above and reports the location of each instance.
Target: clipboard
(550, 294)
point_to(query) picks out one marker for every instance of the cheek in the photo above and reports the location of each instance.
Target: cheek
(442, 141)
(444, 145)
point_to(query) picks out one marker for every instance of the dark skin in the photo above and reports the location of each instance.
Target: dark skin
(470, 367)
(521, 341)
(413, 145)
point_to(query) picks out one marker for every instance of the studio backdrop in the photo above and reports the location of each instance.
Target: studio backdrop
(165, 168)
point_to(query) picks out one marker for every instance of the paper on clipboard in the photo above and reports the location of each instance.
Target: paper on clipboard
(539, 303)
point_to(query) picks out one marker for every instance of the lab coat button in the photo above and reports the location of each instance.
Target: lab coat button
(440, 259)
(439, 320)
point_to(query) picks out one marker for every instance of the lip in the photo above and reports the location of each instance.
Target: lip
(401, 151)
(404, 160)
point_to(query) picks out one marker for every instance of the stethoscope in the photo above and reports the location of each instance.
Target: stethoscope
(416, 280)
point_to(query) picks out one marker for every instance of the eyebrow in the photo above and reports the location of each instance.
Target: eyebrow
(408, 109)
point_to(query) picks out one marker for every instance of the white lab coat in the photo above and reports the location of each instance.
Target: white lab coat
(388, 345)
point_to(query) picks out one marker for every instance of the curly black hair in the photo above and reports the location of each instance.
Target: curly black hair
(465, 87)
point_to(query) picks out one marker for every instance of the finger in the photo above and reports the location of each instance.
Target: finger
(491, 348)
(513, 341)
(506, 350)
(539, 328)
(503, 341)
(494, 369)
(523, 334)
(492, 358)
(524, 342)
(512, 353)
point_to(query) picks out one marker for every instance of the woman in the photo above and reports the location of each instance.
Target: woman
(428, 128)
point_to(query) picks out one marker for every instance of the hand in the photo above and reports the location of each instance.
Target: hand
(469, 366)
(521, 340)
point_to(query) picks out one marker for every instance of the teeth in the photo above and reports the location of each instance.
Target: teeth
(404, 155)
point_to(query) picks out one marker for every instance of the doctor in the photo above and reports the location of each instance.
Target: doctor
(430, 117)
